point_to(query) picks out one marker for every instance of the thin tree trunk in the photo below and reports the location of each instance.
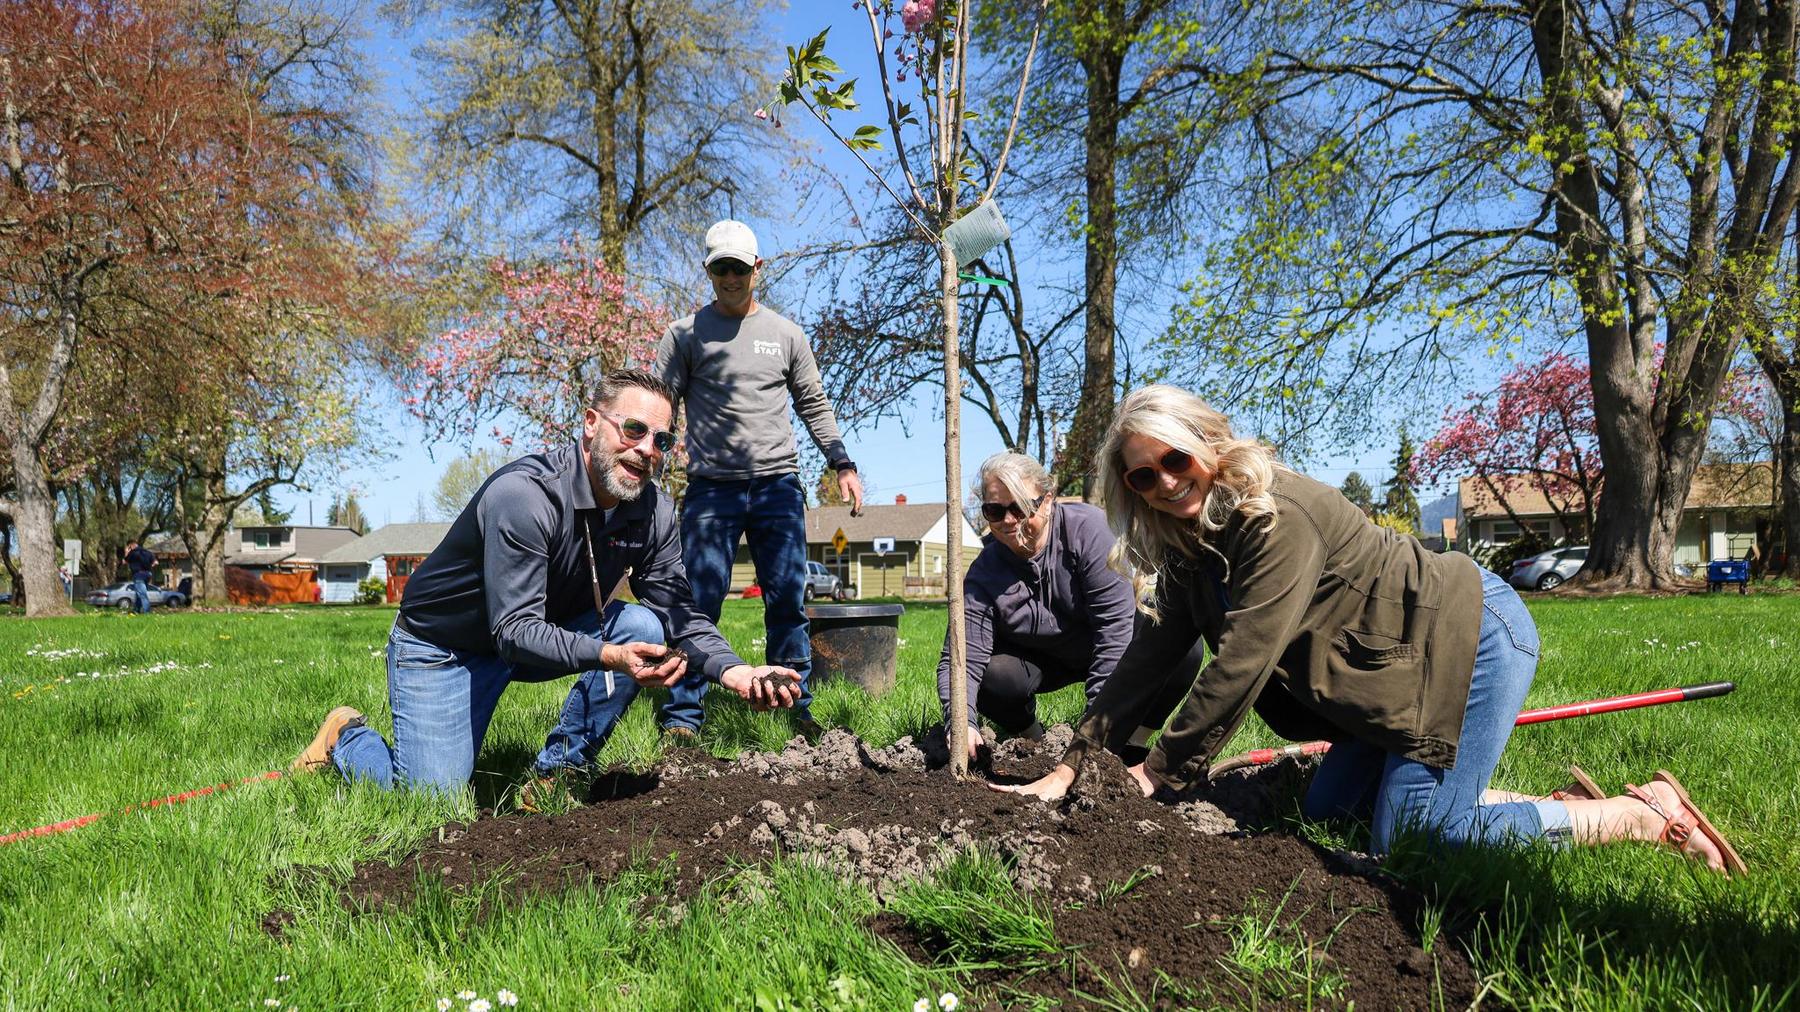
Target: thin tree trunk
(958, 724)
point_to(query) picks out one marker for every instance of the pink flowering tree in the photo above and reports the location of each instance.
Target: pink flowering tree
(534, 363)
(1534, 432)
(923, 47)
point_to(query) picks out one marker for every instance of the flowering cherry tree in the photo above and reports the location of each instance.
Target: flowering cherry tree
(1535, 432)
(533, 364)
(932, 188)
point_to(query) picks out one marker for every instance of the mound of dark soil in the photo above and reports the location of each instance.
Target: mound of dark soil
(882, 817)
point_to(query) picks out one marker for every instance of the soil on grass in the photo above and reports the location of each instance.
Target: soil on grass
(1152, 899)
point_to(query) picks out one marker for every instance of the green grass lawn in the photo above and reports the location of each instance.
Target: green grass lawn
(162, 908)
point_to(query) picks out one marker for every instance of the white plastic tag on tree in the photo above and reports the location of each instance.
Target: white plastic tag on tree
(977, 232)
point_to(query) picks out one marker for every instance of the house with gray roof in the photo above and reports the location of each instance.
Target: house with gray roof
(890, 551)
(390, 553)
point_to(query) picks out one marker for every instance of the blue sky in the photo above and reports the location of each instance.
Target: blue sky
(898, 456)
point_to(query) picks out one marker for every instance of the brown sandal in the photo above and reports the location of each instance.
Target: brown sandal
(1679, 827)
(1583, 788)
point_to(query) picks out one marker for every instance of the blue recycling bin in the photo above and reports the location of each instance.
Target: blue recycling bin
(1720, 572)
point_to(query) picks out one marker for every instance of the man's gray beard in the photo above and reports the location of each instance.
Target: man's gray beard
(602, 468)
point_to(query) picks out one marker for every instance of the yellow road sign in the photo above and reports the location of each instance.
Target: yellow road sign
(839, 542)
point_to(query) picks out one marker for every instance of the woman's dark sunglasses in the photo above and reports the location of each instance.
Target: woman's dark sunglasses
(1143, 479)
(720, 268)
(994, 512)
(634, 432)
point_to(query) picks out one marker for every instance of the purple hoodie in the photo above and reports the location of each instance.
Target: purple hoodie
(1062, 601)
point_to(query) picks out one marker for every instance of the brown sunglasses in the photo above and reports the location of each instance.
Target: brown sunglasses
(1143, 479)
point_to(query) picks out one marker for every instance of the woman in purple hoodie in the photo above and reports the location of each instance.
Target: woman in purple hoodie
(1043, 608)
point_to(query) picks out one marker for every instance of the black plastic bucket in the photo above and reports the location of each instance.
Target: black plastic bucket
(860, 642)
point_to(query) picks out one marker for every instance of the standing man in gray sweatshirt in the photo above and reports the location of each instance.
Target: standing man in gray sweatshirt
(736, 364)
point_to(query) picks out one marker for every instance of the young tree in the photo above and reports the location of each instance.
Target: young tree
(1535, 432)
(934, 49)
(352, 515)
(460, 481)
(1356, 489)
(142, 185)
(1486, 173)
(539, 358)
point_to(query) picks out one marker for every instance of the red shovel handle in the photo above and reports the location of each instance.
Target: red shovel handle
(1264, 756)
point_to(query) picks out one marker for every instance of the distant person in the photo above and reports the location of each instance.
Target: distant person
(735, 365)
(62, 573)
(141, 563)
(515, 593)
(1042, 609)
(1413, 664)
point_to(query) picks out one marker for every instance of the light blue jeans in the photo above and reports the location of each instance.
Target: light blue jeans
(1359, 780)
(140, 592)
(443, 700)
(770, 514)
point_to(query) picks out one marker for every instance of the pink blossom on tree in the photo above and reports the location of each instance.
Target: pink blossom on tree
(535, 363)
(1534, 432)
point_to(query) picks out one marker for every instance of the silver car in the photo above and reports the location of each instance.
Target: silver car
(1548, 570)
(119, 596)
(820, 582)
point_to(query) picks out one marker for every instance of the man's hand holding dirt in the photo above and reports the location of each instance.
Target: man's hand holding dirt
(765, 687)
(647, 663)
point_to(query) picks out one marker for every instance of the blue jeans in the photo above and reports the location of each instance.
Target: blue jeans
(140, 590)
(443, 700)
(1361, 781)
(770, 513)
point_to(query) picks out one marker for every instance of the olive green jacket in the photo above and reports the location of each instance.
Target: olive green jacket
(1328, 624)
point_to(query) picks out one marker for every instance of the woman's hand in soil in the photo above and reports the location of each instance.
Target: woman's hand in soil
(1052, 786)
(646, 663)
(765, 688)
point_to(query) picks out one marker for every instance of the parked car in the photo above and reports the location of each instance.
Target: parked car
(1547, 570)
(821, 583)
(119, 596)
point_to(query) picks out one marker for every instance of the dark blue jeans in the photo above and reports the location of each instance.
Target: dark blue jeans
(443, 700)
(1359, 780)
(769, 513)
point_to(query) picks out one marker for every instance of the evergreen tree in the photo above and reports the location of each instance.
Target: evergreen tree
(272, 516)
(1356, 489)
(334, 513)
(1402, 500)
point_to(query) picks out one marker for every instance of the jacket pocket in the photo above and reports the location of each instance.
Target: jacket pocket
(1371, 685)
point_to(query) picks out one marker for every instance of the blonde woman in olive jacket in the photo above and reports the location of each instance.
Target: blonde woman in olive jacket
(1414, 664)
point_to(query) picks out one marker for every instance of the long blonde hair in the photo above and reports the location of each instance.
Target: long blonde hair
(1242, 471)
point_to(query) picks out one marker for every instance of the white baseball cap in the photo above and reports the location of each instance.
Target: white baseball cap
(731, 239)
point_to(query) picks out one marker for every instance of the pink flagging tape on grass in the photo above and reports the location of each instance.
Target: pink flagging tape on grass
(173, 799)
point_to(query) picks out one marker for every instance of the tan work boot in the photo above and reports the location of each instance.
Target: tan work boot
(317, 755)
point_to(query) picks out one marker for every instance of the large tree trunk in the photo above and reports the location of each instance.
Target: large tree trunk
(34, 516)
(1789, 467)
(1100, 136)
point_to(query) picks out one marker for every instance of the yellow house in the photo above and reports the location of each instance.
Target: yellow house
(889, 551)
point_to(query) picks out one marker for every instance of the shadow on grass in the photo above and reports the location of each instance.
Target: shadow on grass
(1538, 919)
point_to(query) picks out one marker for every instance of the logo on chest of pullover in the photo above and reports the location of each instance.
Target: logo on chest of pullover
(766, 348)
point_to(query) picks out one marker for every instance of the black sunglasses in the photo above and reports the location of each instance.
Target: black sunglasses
(994, 512)
(1143, 479)
(634, 432)
(720, 268)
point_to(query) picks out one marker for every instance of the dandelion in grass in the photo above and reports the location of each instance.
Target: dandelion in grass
(507, 998)
(948, 1002)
